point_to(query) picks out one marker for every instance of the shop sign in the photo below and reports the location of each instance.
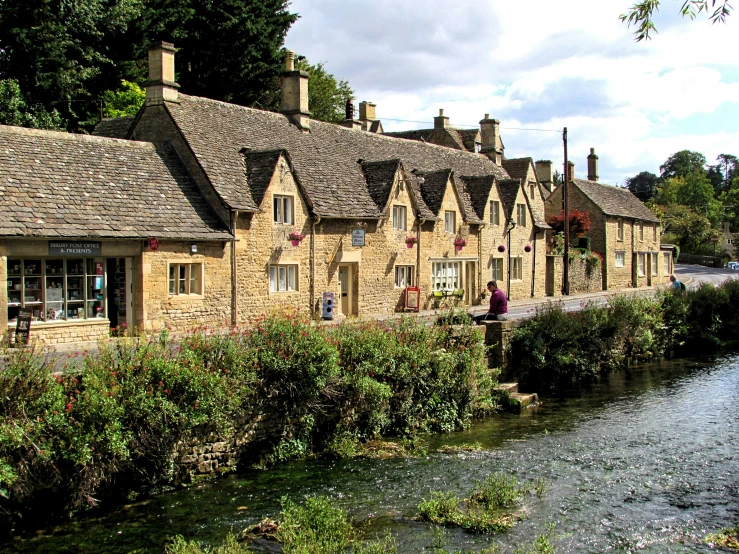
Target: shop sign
(358, 237)
(153, 244)
(57, 248)
(23, 327)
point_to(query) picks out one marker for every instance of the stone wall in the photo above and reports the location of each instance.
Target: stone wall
(581, 280)
(50, 334)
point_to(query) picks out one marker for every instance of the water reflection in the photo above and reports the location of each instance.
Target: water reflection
(642, 460)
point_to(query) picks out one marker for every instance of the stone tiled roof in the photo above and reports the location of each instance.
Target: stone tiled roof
(615, 200)
(260, 167)
(324, 159)
(464, 138)
(414, 134)
(469, 138)
(433, 187)
(470, 215)
(508, 190)
(114, 127)
(479, 190)
(380, 177)
(56, 184)
(415, 187)
(517, 168)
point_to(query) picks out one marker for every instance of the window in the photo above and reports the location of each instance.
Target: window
(283, 210)
(495, 212)
(450, 223)
(654, 232)
(666, 262)
(655, 263)
(185, 279)
(403, 276)
(283, 278)
(641, 264)
(532, 190)
(445, 275)
(620, 258)
(641, 232)
(497, 269)
(620, 233)
(521, 215)
(516, 269)
(399, 218)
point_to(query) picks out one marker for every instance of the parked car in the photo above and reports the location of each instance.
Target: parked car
(733, 265)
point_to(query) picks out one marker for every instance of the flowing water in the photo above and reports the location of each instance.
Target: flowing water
(644, 461)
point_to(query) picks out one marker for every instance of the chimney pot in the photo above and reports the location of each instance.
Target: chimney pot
(290, 61)
(592, 166)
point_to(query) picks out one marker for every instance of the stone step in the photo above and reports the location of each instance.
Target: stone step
(520, 401)
(510, 388)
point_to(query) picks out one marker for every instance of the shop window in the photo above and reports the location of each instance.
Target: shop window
(283, 210)
(283, 278)
(620, 258)
(495, 212)
(516, 269)
(450, 221)
(185, 278)
(655, 263)
(620, 231)
(497, 269)
(521, 215)
(445, 275)
(403, 276)
(57, 289)
(399, 218)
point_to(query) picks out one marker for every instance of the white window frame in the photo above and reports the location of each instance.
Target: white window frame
(450, 221)
(446, 275)
(620, 229)
(655, 263)
(283, 209)
(620, 255)
(494, 212)
(666, 263)
(641, 232)
(283, 278)
(641, 264)
(404, 276)
(517, 268)
(497, 269)
(399, 217)
(183, 285)
(521, 215)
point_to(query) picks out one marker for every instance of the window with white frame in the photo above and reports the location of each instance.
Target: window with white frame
(641, 232)
(516, 269)
(185, 278)
(283, 278)
(446, 275)
(283, 210)
(641, 262)
(450, 222)
(620, 258)
(494, 212)
(497, 269)
(655, 263)
(620, 232)
(654, 232)
(399, 218)
(666, 263)
(403, 276)
(521, 215)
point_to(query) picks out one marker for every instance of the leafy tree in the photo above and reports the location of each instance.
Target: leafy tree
(640, 15)
(326, 96)
(665, 193)
(15, 111)
(642, 185)
(727, 169)
(682, 226)
(579, 223)
(731, 204)
(123, 102)
(682, 163)
(697, 193)
(557, 178)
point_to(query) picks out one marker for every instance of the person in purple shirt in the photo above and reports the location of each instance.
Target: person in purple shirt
(498, 305)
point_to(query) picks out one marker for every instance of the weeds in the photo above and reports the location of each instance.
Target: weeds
(728, 538)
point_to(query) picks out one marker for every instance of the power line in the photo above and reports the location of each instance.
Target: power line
(471, 126)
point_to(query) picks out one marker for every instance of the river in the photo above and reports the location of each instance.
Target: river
(646, 460)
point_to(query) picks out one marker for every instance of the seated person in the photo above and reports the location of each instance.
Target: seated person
(498, 309)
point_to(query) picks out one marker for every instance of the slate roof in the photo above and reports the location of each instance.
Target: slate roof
(56, 184)
(325, 159)
(615, 201)
(114, 127)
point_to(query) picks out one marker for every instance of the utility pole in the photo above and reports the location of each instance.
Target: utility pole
(566, 201)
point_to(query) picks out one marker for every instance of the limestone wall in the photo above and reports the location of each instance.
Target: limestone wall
(581, 278)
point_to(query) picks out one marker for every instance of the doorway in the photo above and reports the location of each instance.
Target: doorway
(120, 279)
(470, 288)
(346, 285)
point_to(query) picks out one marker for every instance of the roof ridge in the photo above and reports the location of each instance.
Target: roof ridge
(49, 133)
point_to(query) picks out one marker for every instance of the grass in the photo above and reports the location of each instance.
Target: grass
(728, 538)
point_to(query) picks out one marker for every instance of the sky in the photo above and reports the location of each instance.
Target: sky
(537, 65)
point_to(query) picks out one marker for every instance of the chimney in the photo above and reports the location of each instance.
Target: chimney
(366, 111)
(492, 144)
(441, 122)
(349, 121)
(592, 166)
(161, 86)
(544, 173)
(571, 170)
(294, 84)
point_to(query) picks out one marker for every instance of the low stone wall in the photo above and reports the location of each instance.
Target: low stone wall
(50, 334)
(708, 261)
(497, 337)
(581, 280)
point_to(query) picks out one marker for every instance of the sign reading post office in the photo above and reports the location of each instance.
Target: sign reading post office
(75, 248)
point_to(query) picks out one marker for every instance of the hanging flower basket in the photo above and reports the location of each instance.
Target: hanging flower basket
(295, 238)
(501, 248)
(410, 241)
(527, 248)
(459, 243)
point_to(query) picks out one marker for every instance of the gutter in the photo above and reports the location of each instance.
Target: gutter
(234, 276)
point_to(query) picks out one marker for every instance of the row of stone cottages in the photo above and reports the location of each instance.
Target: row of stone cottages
(206, 213)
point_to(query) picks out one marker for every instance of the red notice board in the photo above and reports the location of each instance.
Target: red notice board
(412, 299)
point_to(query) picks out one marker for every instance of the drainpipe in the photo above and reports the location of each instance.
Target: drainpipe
(634, 258)
(419, 223)
(234, 276)
(512, 225)
(479, 258)
(533, 268)
(316, 221)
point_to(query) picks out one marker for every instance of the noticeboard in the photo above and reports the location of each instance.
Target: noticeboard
(23, 327)
(412, 299)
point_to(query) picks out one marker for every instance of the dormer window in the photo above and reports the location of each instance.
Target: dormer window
(521, 215)
(283, 210)
(450, 221)
(399, 218)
